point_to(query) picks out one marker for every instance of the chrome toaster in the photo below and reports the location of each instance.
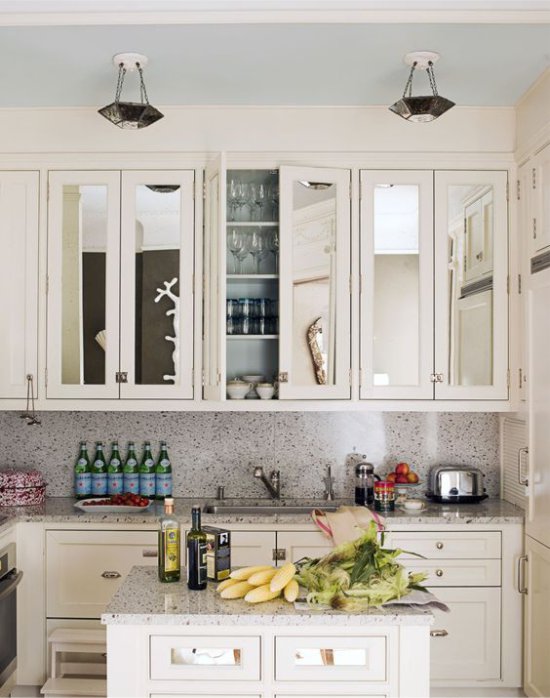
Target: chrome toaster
(456, 484)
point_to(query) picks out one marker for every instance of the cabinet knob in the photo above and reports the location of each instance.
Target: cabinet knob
(439, 573)
(439, 545)
(438, 633)
(110, 574)
(283, 377)
(151, 552)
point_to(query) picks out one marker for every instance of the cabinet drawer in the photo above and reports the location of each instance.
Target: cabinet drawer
(335, 659)
(85, 568)
(204, 658)
(450, 573)
(442, 544)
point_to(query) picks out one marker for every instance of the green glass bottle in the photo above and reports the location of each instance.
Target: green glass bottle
(82, 473)
(99, 472)
(169, 544)
(130, 479)
(114, 471)
(163, 474)
(196, 552)
(147, 473)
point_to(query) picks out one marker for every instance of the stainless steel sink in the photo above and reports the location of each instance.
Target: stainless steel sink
(262, 509)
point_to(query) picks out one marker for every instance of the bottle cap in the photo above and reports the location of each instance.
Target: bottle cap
(169, 501)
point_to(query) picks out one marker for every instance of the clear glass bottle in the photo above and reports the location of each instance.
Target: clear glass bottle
(114, 471)
(147, 473)
(130, 478)
(169, 544)
(99, 472)
(82, 473)
(163, 474)
(196, 552)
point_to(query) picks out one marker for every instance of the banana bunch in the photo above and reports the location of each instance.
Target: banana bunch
(260, 583)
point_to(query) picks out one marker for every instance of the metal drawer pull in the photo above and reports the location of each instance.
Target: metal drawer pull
(439, 545)
(438, 633)
(152, 552)
(522, 587)
(111, 575)
(439, 573)
(522, 480)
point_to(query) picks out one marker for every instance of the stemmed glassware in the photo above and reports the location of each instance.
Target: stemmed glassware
(237, 244)
(273, 246)
(257, 246)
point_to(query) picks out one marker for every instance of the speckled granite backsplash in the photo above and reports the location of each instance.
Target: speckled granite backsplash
(221, 448)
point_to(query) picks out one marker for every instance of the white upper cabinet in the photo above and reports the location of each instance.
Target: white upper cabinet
(471, 275)
(277, 288)
(540, 217)
(120, 272)
(315, 269)
(18, 281)
(396, 284)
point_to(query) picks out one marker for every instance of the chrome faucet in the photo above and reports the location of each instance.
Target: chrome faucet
(273, 484)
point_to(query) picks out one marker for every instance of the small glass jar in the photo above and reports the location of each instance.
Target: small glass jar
(384, 496)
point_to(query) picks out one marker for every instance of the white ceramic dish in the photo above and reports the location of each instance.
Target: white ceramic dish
(108, 508)
(413, 505)
(252, 379)
(265, 392)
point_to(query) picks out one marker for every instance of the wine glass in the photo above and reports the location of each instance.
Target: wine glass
(237, 245)
(233, 197)
(274, 196)
(257, 246)
(273, 247)
(258, 198)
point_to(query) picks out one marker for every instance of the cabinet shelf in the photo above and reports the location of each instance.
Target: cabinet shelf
(252, 336)
(251, 277)
(252, 224)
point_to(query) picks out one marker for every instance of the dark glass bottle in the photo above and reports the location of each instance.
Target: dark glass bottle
(147, 473)
(169, 544)
(196, 552)
(130, 471)
(99, 472)
(163, 474)
(82, 474)
(114, 472)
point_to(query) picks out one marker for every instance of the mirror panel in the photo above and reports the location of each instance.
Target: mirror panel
(83, 282)
(202, 656)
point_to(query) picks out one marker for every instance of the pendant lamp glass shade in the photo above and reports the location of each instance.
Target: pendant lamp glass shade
(422, 108)
(130, 115)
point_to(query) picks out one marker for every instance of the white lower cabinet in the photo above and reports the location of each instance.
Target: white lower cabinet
(299, 544)
(537, 619)
(252, 548)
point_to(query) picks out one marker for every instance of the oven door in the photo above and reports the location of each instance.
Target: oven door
(8, 623)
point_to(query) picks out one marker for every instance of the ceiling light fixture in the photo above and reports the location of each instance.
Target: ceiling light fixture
(130, 114)
(422, 108)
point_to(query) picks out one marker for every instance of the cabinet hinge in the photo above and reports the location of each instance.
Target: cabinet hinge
(47, 284)
(534, 177)
(534, 228)
(508, 378)
(520, 378)
(507, 191)
(121, 376)
(278, 554)
(218, 378)
(518, 189)
(46, 377)
(203, 378)
(519, 284)
(508, 284)
(204, 190)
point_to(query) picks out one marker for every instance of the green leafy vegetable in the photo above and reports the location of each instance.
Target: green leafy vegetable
(357, 575)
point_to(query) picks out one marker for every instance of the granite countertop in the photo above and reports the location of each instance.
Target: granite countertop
(143, 600)
(62, 510)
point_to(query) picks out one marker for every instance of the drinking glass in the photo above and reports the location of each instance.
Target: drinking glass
(237, 245)
(257, 246)
(273, 247)
(233, 197)
(258, 198)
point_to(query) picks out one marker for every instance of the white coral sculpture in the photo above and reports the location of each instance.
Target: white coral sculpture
(174, 312)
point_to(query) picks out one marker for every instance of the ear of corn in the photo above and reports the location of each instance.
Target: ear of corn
(226, 583)
(259, 594)
(283, 577)
(258, 579)
(236, 591)
(245, 572)
(291, 591)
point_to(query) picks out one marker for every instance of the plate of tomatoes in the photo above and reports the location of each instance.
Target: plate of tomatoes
(115, 504)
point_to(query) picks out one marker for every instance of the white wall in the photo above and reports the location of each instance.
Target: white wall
(533, 116)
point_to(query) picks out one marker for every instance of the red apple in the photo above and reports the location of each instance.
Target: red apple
(390, 477)
(412, 477)
(402, 469)
(401, 480)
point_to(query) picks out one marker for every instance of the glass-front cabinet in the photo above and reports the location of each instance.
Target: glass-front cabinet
(434, 301)
(277, 283)
(120, 284)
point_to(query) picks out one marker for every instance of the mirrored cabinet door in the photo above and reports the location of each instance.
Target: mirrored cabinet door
(83, 284)
(471, 298)
(156, 283)
(18, 282)
(314, 292)
(396, 284)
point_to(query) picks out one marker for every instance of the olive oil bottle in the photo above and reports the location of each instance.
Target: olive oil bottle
(169, 544)
(196, 552)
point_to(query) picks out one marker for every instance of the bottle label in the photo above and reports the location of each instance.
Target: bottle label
(99, 484)
(149, 463)
(83, 484)
(82, 461)
(115, 462)
(114, 483)
(131, 462)
(147, 484)
(196, 566)
(164, 484)
(99, 464)
(165, 463)
(171, 549)
(131, 483)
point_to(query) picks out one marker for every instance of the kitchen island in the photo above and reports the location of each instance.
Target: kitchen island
(164, 640)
